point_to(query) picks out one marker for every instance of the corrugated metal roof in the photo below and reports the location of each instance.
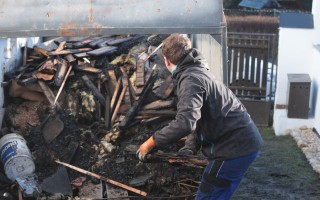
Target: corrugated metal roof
(296, 20)
(98, 17)
(257, 4)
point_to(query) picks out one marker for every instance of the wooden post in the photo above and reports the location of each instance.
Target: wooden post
(104, 178)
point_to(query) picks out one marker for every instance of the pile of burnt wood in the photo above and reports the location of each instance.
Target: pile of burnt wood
(124, 76)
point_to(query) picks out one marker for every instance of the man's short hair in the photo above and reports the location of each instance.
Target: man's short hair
(176, 47)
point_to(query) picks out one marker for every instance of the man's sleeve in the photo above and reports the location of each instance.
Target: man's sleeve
(190, 100)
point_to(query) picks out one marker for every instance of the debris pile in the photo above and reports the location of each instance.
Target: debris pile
(87, 104)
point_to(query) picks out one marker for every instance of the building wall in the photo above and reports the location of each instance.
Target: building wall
(297, 54)
(212, 52)
(316, 87)
(10, 58)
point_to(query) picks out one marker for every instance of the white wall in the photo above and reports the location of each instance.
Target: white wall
(316, 13)
(316, 64)
(315, 78)
(10, 58)
(212, 52)
(297, 54)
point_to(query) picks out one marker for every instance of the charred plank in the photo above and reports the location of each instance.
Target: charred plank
(102, 51)
(94, 89)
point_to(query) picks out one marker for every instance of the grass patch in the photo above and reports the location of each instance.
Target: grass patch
(280, 172)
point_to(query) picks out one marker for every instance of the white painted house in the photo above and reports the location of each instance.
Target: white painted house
(299, 53)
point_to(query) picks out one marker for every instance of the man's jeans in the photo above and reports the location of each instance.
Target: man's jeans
(221, 178)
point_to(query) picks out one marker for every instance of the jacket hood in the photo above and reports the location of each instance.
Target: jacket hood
(193, 59)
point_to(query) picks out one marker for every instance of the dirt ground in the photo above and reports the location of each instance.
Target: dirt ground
(281, 171)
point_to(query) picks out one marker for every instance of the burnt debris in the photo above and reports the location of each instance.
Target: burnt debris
(90, 102)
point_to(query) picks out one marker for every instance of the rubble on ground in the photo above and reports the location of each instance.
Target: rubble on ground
(309, 143)
(91, 102)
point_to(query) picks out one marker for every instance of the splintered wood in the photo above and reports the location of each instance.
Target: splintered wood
(117, 83)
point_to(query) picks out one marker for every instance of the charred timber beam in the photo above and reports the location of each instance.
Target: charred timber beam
(87, 69)
(125, 82)
(115, 113)
(94, 89)
(140, 73)
(115, 95)
(62, 85)
(168, 113)
(102, 51)
(137, 104)
(159, 104)
(166, 89)
(48, 93)
(61, 72)
(69, 51)
(104, 179)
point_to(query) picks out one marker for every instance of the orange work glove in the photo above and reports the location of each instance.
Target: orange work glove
(145, 148)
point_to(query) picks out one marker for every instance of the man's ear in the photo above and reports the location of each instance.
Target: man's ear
(166, 61)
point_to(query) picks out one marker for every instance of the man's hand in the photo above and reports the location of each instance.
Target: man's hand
(145, 148)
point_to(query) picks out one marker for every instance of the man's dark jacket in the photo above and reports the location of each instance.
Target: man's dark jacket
(208, 107)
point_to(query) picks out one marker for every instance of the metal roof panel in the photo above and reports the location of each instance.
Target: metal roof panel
(82, 18)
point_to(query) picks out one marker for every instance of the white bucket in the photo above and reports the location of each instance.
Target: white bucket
(16, 156)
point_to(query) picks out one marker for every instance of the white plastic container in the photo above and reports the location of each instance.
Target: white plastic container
(16, 156)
